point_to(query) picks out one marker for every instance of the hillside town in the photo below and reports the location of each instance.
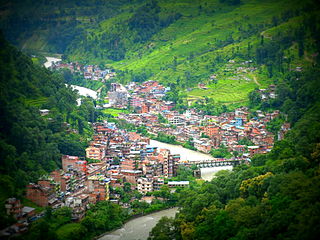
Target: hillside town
(89, 72)
(117, 156)
(204, 131)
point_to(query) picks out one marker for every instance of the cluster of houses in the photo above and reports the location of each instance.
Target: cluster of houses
(140, 98)
(204, 131)
(269, 93)
(15, 209)
(129, 158)
(114, 157)
(89, 72)
(210, 132)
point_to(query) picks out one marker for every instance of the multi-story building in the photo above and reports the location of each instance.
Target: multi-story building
(42, 196)
(13, 207)
(211, 130)
(96, 153)
(73, 163)
(98, 187)
(175, 184)
(157, 183)
(168, 162)
(131, 176)
(144, 185)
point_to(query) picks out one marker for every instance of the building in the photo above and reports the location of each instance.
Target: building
(73, 163)
(98, 187)
(44, 112)
(95, 153)
(118, 98)
(42, 196)
(131, 176)
(79, 205)
(13, 207)
(175, 184)
(176, 120)
(211, 130)
(168, 162)
(157, 183)
(144, 185)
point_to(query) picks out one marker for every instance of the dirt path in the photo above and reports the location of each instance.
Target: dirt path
(265, 35)
(256, 81)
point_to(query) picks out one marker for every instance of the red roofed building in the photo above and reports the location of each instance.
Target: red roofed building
(40, 195)
(211, 130)
(73, 163)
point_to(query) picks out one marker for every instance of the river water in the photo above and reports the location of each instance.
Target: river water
(139, 228)
(190, 155)
(82, 90)
(51, 60)
(85, 91)
(186, 154)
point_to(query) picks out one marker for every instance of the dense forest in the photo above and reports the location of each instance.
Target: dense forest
(31, 144)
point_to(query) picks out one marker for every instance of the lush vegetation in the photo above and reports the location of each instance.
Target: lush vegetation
(31, 144)
(57, 224)
(79, 80)
(277, 196)
(177, 42)
(221, 152)
(162, 137)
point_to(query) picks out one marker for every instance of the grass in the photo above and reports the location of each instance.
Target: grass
(36, 102)
(114, 112)
(27, 202)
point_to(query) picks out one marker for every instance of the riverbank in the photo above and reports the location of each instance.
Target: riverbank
(83, 91)
(185, 153)
(51, 60)
(138, 227)
(188, 155)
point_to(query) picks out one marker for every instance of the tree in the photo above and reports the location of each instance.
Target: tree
(127, 187)
(164, 230)
(72, 231)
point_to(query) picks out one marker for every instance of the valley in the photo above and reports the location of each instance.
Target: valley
(204, 114)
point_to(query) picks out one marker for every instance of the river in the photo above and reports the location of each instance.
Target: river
(190, 155)
(51, 60)
(186, 154)
(85, 91)
(82, 90)
(139, 228)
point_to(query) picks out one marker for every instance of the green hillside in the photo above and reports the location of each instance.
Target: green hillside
(179, 42)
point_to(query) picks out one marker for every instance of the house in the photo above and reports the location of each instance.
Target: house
(42, 196)
(73, 163)
(174, 184)
(95, 153)
(28, 211)
(144, 185)
(44, 112)
(13, 207)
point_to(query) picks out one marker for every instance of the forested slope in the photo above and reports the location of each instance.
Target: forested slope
(30, 144)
